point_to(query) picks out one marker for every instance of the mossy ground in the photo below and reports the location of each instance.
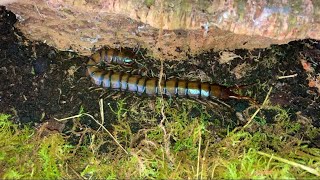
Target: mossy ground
(180, 145)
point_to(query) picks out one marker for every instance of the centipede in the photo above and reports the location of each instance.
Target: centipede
(150, 86)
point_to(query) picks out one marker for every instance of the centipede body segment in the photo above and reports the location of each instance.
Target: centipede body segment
(143, 85)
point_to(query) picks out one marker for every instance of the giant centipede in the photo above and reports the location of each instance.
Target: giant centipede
(144, 85)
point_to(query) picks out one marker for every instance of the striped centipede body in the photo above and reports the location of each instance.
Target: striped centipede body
(143, 85)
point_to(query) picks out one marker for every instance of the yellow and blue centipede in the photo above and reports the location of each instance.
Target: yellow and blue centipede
(143, 85)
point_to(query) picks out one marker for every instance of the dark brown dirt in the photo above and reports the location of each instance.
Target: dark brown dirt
(35, 82)
(39, 83)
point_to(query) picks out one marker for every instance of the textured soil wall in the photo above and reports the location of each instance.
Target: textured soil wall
(169, 29)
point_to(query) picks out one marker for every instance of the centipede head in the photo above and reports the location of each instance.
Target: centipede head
(233, 95)
(228, 93)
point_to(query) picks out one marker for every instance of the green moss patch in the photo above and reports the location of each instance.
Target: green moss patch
(168, 142)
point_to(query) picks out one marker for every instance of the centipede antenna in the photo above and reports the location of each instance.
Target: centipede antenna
(243, 97)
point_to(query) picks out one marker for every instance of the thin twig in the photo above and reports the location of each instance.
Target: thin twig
(166, 136)
(74, 171)
(101, 112)
(203, 159)
(309, 169)
(107, 132)
(161, 94)
(288, 76)
(257, 111)
(86, 114)
(199, 154)
(67, 118)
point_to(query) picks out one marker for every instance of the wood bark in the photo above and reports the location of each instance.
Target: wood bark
(168, 29)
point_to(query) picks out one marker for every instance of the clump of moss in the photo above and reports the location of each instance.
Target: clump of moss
(149, 3)
(24, 154)
(162, 139)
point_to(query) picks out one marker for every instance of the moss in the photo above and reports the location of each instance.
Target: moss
(177, 142)
(24, 155)
(149, 3)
